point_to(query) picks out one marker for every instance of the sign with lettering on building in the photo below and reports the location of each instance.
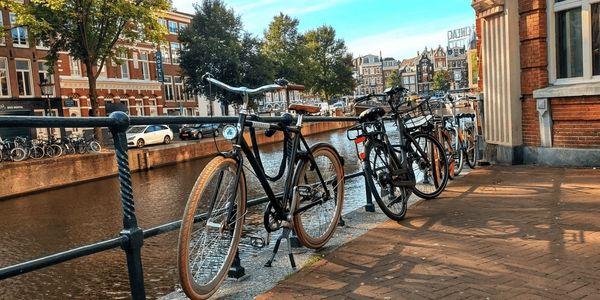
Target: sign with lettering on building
(461, 37)
(159, 67)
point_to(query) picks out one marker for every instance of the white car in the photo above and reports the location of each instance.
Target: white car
(142, 135)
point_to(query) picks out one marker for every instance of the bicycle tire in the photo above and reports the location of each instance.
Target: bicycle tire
(449, 150)
(329, 164)
(191, 249)
(377, 170)
(36, 152)
(457, 155)
(94, 147)
(431, 179)
(470, 151)
(18, 154)
(58, 151)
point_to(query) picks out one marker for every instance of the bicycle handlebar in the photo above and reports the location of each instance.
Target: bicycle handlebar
(243, 90)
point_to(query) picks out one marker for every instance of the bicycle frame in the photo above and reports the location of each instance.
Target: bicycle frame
(295, 155)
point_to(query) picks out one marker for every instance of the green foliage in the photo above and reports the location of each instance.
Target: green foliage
(395, 79)
(91, 29)
(329, 63)
(441, 81)
(214, 43)
(285, 48)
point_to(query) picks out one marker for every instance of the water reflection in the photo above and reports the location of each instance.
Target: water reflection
(53, 221)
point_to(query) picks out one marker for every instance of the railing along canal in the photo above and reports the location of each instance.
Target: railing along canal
(131, 237)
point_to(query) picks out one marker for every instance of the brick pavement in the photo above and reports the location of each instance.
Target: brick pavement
(517, 232)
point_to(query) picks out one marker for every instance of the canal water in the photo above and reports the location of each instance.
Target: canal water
(57, 220)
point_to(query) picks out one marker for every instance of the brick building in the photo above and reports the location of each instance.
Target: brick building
(133, 83)
(540, 79)
(22, 69)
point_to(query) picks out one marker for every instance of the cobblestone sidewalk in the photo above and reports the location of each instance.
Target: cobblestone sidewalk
(518, 232)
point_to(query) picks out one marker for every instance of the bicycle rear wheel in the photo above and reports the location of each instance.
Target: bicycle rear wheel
(393, 200)
(457, 154)
(470, 148)
(18, 154)
(211, 228)
(431, 171)
(316, 217)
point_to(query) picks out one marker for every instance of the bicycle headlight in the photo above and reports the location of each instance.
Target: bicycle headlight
(230, 132)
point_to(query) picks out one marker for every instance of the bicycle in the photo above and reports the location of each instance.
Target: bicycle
(212, 222)
(395, 171)
(456, 136)
(11, 150)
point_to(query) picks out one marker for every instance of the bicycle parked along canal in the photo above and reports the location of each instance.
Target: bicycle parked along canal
(394, 171)
(214, 215)
(456, 132)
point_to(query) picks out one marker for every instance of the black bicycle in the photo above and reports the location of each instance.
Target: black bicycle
(395, 171)
(311, 202)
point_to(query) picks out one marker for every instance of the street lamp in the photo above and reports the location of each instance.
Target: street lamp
(47, 89)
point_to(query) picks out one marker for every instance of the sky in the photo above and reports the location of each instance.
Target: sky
(397, 28)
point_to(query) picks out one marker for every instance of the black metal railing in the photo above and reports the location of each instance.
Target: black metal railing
(131, 237)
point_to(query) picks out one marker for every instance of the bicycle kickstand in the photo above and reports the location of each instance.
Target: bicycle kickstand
(284, 235)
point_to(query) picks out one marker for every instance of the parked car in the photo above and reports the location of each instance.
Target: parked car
(142, 135)
(199, 131)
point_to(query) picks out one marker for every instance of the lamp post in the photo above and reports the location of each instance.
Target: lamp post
(47, 89)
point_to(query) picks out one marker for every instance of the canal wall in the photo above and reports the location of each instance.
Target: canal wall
(38, 175)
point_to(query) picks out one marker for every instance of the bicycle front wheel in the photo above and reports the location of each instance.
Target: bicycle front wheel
(378, 165)
(36, 152)
(431, 170)
(211, 228)
(316, 214)
(470, 148)
(94, 147)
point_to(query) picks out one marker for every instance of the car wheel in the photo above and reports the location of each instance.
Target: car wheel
(140, 143)
(199, 135)
(167, 140)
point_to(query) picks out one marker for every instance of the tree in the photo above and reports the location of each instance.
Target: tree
(214, 43)
(441, 81)
(330, 64)
(284, 46)
(90, 30)
(395, 79)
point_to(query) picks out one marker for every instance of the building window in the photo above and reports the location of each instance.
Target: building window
(166, 54)
(4, 77)
(75, 67)
(163, 22)
(172, 27)
(569, 60)
(145, 65)
(2, 38)
(124, 65)
(178, 88)
(102, 72)
(19, 33)
(575, 51)
(168, 88)
(24, 81)
(596, 38)
(175, 53)
(44, 75)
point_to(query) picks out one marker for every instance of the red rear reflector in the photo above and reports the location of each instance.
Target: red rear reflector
(360, 139)
(362, 156)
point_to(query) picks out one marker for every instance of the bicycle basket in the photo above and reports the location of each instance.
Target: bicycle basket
(416, 114)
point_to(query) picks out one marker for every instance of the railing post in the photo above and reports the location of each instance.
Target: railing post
(135, 237)
(370, 207)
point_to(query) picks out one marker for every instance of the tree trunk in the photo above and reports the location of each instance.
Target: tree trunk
(94, 101)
